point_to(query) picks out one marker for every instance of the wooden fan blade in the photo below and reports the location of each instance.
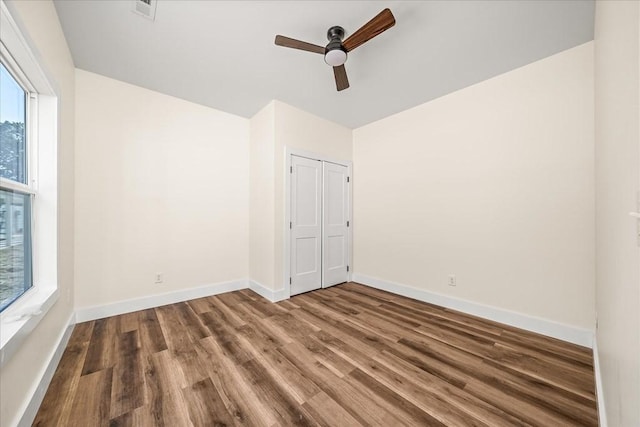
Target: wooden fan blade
(340, 73)
(380, 23)
(297, 44)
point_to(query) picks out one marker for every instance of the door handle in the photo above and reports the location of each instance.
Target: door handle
(635, 214)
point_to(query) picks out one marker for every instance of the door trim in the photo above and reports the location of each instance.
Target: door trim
(286, 237)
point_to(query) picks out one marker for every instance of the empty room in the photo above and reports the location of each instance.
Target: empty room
(319, 213)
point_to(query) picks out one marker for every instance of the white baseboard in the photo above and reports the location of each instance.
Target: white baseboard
(572, 334)
(270, 294)
(143, 303)
(30, 412)
(602, 413)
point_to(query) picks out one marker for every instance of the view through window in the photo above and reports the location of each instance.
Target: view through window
(15, 205)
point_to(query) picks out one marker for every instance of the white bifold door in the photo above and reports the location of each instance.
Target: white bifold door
(335, 225)
(306, 224)
(319, 224)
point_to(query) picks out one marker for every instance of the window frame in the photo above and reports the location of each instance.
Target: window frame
(23, 315)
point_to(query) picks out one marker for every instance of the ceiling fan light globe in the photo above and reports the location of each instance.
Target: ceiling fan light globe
(335, 57)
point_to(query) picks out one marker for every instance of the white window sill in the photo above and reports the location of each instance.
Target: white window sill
(18, 320)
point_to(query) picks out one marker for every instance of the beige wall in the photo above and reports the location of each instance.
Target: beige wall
(21, 374)
(162, 185)
(261, 206)
(617, 130)
(493, 183)
(298, 129)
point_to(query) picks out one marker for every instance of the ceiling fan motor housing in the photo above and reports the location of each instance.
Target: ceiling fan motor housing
(335, 55)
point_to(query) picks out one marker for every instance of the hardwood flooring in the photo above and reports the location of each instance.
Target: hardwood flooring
(349, 355)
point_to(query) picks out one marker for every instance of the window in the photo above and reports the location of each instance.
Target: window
(29, 128)
(15, 192)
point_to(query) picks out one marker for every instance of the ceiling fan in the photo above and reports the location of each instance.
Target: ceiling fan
(335, 52)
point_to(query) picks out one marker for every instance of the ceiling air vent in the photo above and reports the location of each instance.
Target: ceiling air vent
(146, 8)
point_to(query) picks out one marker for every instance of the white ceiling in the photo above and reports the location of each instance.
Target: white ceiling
(222, 53)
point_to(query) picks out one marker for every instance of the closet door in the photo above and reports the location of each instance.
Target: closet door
(306, 225)
(335, 239)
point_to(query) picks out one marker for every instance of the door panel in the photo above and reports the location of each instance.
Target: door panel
(307, 201)
(335, 251)
(306, 225)
(335, 229)
(306, 255)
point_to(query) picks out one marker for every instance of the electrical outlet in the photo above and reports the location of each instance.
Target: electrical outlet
(159, 278)
(452, 280)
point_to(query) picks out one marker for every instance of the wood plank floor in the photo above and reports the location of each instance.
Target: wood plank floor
(344, 356)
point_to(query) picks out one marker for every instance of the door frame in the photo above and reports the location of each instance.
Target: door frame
(291, 151)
